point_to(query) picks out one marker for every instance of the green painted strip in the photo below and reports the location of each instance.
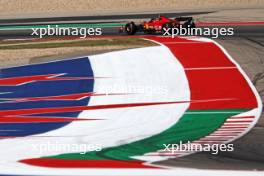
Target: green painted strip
(192, 126)
(96, 25)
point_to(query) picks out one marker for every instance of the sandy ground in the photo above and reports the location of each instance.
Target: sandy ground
(48, 8)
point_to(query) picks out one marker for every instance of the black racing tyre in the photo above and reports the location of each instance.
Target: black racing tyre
(130, 28)
(192, 25)
(189, 24)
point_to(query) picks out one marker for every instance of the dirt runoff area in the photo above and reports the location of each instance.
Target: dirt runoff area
(49, 8)
(22, 52)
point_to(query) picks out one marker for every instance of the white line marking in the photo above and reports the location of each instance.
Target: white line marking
(210, 68)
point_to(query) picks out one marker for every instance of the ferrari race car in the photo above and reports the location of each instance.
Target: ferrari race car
(157, 25)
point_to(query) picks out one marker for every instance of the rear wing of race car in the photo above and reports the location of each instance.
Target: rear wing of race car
(189, 19)
(186, 21)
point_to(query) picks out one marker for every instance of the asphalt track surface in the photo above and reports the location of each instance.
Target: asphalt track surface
(249, 154)
(121, 19)
(95, 18)
(11, 28)
(255, 31)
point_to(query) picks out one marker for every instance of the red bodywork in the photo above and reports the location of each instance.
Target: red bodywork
(157, 23)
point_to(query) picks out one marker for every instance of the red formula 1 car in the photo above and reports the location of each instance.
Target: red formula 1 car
(157, 25)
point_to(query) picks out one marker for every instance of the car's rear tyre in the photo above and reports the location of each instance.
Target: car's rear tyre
(192, 25)
(130, 28)
(189, 24)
